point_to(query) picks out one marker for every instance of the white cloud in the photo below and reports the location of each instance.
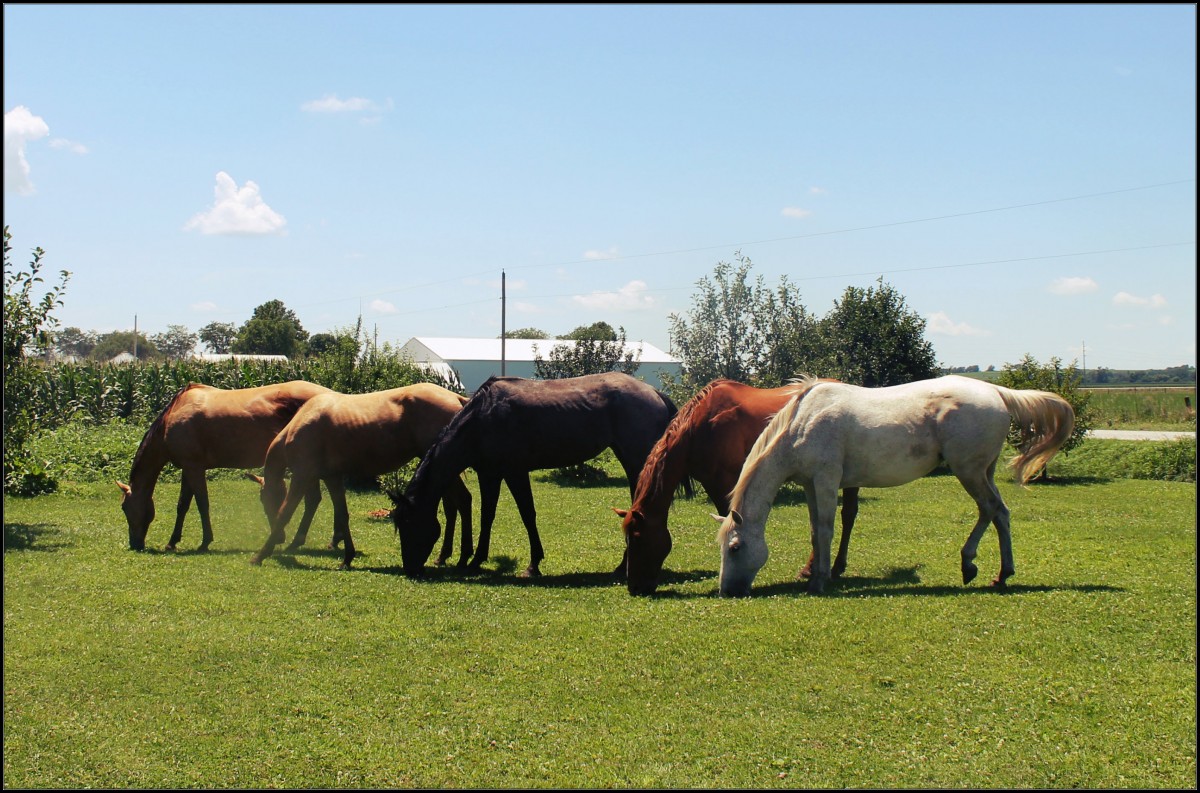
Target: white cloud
(20, 127)
(1073, 286)
(796, 212)
(204, 305)
(593, 255)
(237, 211)
(628, 298)
(382, 307)
(817, 190)
(69, 145)
(1126, 299)
(331, 104)
(941, 324)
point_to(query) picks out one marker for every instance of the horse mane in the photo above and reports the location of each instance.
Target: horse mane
(777, 426)
(156, 428)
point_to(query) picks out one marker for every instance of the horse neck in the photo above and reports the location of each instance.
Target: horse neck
(148, 462)
(664, 471)
(762, 476)
(439, 467)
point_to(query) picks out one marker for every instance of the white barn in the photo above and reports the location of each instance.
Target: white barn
(472, 361)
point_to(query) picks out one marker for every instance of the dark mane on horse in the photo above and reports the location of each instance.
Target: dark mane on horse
(156, 427)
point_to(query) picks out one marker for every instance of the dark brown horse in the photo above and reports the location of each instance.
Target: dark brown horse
(708, 441)
(512, 426)
(338, 435)
(205, 427)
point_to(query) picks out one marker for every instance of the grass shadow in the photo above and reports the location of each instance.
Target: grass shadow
(906, 581)
(31, 537)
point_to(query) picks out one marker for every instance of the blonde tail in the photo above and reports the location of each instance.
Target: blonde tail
(1045, 421)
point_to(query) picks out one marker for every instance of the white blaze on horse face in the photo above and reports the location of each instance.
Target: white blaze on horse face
(743, 553)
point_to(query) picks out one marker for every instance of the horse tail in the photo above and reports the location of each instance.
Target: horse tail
(1045, 422)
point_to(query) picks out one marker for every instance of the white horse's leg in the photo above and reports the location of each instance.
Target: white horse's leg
(821, 496)
(982, 488)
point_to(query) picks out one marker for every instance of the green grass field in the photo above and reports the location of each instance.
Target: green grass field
(159, 670)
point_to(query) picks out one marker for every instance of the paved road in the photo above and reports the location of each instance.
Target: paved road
(1139, 435)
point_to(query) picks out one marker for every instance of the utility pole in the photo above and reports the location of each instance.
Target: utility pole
(1083, 350)
(503, 332)
(135, 338)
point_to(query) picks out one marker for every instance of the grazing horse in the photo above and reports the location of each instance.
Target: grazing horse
(837, 435)
(512, 426)
(706, 441)
(335, 435)
(205, 427)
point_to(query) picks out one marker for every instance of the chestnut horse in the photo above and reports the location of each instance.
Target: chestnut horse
(336, 435)
(707, 441)
(512, 426)
(205, 427)
(838, 435)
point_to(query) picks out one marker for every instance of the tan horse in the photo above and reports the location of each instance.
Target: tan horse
(205, 427)
(335, 435)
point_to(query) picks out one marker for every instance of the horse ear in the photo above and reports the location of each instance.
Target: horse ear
(124, 488)
(716, 517)
(254, 478)
(621, 513)
(737, 517)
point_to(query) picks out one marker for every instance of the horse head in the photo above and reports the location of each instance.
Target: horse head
(743, 553)
(139, 512)
(647, 543)
(419, 531)
(271, 493)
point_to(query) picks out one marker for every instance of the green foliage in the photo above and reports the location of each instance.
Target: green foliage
(218, 337)
(75, 342)
(588, 355)
(527, 333)
(872, 339)
(1057, 379)
(1104, 459)
(110, 345)
(273, 329)
(29, 323)
(159, 670)
(597, 330)
(177, 342)
(745, 331)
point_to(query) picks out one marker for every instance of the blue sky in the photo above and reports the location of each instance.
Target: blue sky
(1023, 174)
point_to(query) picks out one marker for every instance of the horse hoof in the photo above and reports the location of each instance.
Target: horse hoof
(805, 572)
(256, 560)
(530, 572)
(816, 586)
(167, 547)
(969, 572)
(202, 549)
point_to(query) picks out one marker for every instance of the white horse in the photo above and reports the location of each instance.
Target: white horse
(836, 435)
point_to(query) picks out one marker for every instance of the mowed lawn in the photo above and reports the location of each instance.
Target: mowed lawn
(168, 670)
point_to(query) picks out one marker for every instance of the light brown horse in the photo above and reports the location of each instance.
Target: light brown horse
(706, 441)
(336, 435)
(205, 427)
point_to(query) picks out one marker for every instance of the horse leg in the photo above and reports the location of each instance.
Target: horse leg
(181, 509)
(822, 506)
(518, 485)
(463, 504)
(312, 499)
(341, 519)
(199, 486)
(849, 513)
(280, 519)
(489, 494)
(981, 488)
(448, 507)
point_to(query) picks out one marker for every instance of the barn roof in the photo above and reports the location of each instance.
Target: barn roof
(471, 349)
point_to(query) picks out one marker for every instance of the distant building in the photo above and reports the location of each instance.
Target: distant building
(469, 362)
(216, 356)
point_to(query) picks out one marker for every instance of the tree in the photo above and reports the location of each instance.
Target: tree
(178, 342)
(1057, 379)
(872, 339)
(28, 325)
(273, 329)
(744, 331)
(110, 345)
(597, 330)
(218, 337)
(587, 356)
(75, 342)
(526, 333)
